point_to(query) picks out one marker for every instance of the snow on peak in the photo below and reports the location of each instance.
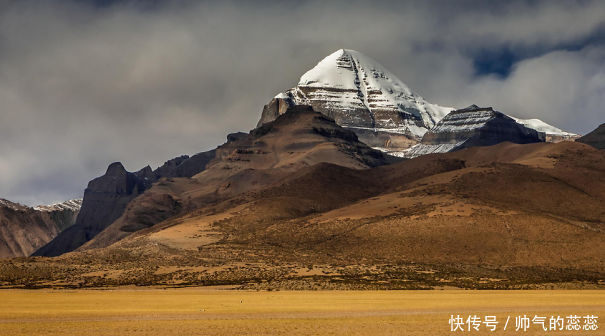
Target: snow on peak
(360, 94)
(12, 205)
(73, 205)
(341, 69)
(355, 85)
(541, 126)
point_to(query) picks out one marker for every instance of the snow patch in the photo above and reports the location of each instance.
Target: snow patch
(73, 205)
(541, 126)
(349, 81)
(12, 205)
(424, 149)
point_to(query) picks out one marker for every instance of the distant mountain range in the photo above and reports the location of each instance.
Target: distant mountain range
(24, 229)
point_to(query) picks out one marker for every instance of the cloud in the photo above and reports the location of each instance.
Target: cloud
(83, 85)
(565, 88)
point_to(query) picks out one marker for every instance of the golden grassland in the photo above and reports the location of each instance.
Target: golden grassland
(203, 311)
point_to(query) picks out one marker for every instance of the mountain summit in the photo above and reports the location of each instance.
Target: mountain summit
(361, 95)
(364, 97)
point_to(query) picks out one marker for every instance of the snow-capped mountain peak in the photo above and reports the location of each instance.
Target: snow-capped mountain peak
(373, 87)
(360, 94)
(342, 68)
(363, 96)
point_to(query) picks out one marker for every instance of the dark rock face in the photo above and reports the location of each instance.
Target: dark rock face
(169, 168)
(236, 136)
(276, 107)
(595, 138)
(63, 218)
(474, 126)
(106, 198)
(184, 166)
(192, 166)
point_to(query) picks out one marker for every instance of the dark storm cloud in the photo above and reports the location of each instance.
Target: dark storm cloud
(85, 83)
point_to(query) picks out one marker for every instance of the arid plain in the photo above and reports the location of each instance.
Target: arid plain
(194, 311)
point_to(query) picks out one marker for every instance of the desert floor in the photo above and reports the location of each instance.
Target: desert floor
(202, 311)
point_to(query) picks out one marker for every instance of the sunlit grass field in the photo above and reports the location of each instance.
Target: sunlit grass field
(227, 312)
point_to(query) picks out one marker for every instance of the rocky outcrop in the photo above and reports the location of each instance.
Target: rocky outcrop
(24, 229)
(595, 138)
(276, 107)
(184, 166)
(62, 214)
(298, 117)
(470, 127)
(106, 198)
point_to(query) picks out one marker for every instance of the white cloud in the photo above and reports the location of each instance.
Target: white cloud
(565, 88)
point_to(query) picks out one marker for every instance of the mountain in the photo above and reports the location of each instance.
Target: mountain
(106, 198)
(121, 202)
(502, 216)
(595, 138)
(24, 229)
(297, 139)
(361, 95)
(473, 126)
(301, 202)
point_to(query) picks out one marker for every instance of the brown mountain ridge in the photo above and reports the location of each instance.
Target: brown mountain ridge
(301, 203)
(596, 138)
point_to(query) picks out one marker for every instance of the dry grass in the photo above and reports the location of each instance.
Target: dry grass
(221, 312)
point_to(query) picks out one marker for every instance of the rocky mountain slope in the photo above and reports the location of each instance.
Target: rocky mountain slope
(247, 161)
(305, 200)
(301, 203)
(298, 138)
(596, 138)
(107, 196)
(24, 229)
(472, 126)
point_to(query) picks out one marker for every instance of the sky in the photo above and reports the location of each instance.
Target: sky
(84, 83)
